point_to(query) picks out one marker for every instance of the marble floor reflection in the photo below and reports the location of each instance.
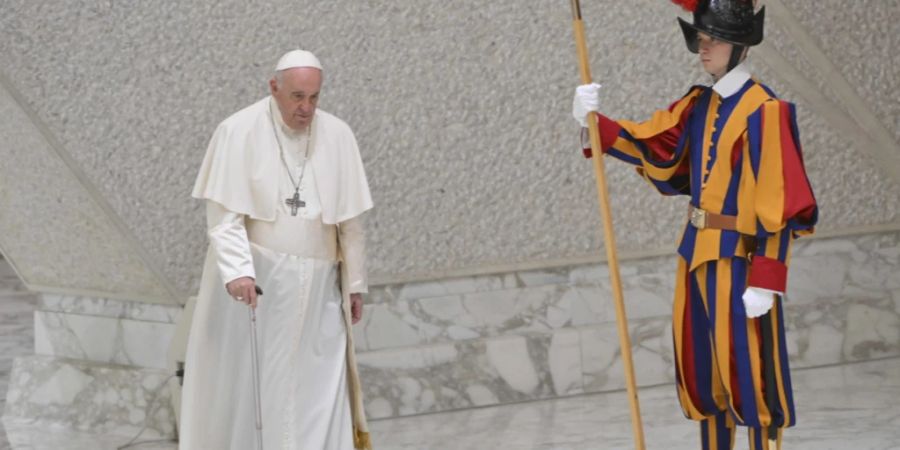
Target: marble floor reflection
(853, 406)
(16, 329)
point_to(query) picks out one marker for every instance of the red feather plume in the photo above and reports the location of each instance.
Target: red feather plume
(688, 5)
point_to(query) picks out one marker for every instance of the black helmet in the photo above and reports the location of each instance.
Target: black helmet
(727, 20)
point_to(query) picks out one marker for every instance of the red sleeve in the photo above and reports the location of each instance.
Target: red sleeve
(768, 273)
(609, 132)
(799, 201)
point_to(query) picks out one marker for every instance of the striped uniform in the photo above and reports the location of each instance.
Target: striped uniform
(737, 155)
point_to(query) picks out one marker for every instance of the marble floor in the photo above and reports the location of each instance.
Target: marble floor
(853, 406)
(16, 329)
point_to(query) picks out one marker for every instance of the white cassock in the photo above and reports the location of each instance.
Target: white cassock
(307, 265)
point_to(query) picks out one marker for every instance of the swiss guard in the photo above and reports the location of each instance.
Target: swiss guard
(734, 149)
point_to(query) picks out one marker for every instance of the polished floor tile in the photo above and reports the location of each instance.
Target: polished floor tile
(16, 329)
(854, 406)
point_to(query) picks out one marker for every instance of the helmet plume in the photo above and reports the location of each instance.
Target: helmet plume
(688, 5)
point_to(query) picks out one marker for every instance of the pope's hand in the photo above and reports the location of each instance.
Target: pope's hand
(587, 99)
(356, 307)
(243, 289)
(758, 301)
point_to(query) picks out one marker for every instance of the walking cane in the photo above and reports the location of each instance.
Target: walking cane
(254, 356)
(609, 236)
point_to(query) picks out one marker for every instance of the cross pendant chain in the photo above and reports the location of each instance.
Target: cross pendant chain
(295, 203)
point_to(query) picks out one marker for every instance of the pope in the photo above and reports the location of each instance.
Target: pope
(284, 188)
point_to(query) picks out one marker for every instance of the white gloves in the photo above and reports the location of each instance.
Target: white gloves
(758, 301)
(587, 99)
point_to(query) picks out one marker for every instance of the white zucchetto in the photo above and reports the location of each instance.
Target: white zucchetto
(298, 58)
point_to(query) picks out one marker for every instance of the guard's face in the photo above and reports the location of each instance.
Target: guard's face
(714, 54)
(297, 95)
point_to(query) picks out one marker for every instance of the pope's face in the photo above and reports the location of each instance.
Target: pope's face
(714, 55)
(297, 94)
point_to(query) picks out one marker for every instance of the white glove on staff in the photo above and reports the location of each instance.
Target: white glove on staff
(587, 99)
(758, 301)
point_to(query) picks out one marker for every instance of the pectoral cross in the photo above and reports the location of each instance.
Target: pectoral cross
(295, 203)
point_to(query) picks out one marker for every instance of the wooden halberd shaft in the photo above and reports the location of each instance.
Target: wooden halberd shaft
(609, 236)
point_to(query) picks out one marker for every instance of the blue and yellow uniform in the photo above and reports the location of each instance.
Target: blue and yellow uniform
(734, 150)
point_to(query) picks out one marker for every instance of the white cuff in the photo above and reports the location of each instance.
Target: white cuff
(353, 250)
(585, 138)
(228, 238)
